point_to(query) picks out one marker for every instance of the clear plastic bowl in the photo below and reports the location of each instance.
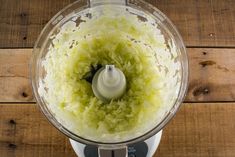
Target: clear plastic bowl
(43, 42)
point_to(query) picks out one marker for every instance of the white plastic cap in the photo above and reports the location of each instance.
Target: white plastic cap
(109, 83)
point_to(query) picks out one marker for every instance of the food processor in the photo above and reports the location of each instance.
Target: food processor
(109, 82)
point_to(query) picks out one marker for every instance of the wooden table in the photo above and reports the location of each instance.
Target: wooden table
(203, 127)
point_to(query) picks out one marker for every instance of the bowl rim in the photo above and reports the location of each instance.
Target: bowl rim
(49, 116)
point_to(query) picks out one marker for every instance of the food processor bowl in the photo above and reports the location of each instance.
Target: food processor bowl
(137, 7)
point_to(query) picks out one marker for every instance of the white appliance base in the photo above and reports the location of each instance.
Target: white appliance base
(152, 145)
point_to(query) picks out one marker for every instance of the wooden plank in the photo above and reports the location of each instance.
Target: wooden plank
(14, 75)
(24, 132)
(212, 75)
(201, 23)
(22, 20)
(198, 130)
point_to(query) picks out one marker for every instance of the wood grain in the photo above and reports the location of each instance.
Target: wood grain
(201, 22)
(24, 132)
(22, 20)
(202, 130)
(212, 75)
(14, 75)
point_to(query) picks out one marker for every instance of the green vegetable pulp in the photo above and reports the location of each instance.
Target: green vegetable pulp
(75, 52)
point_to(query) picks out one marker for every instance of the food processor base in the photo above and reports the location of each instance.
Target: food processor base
(141, 149)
